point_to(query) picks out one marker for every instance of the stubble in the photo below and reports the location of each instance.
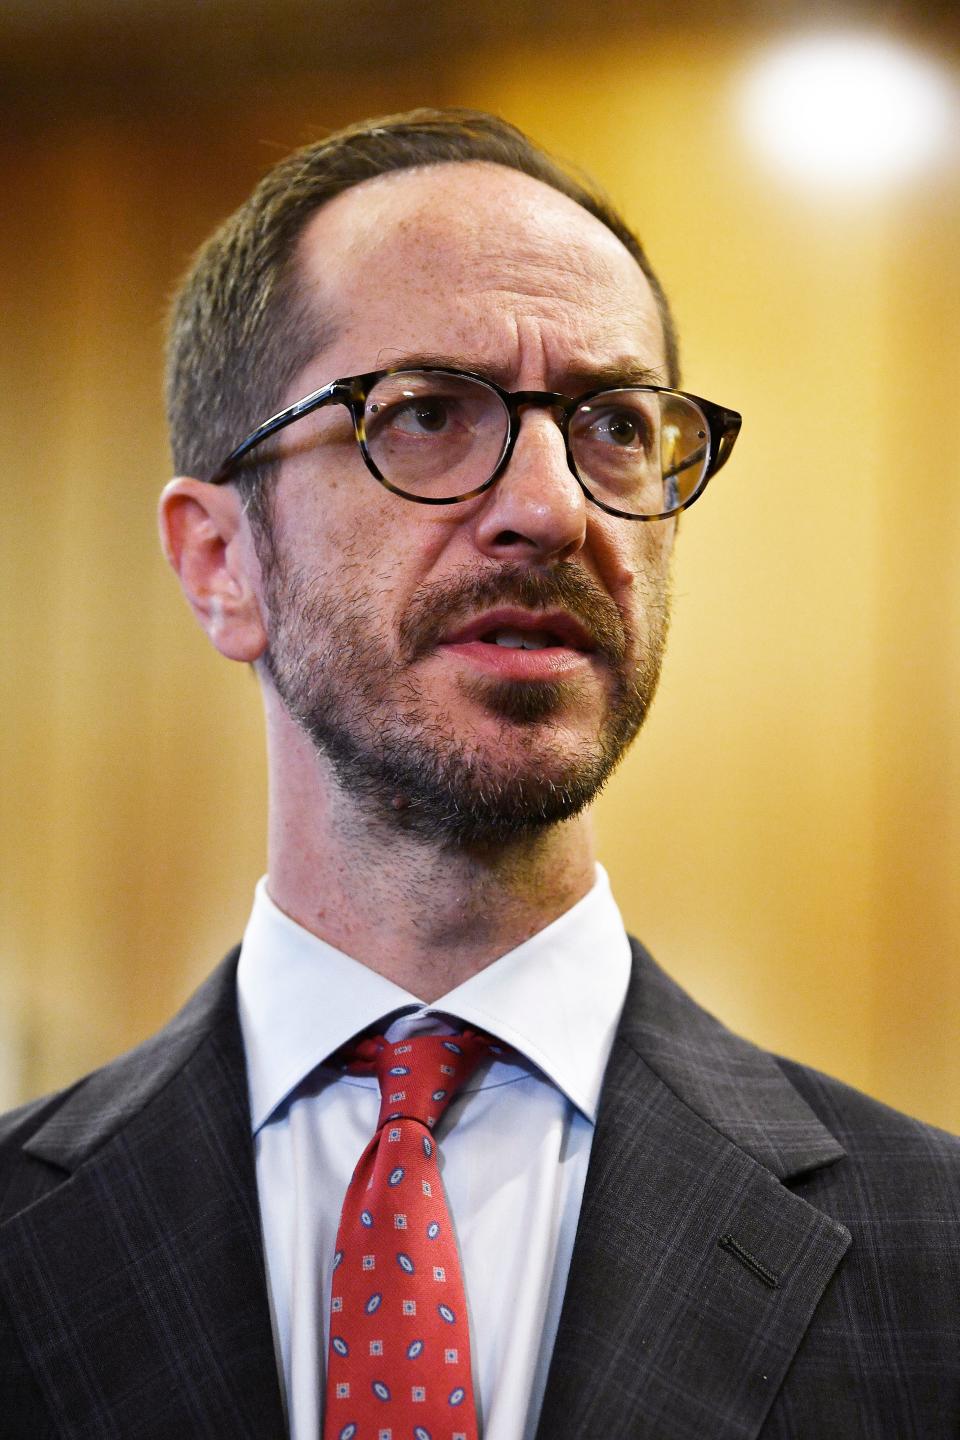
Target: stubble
(398, 754)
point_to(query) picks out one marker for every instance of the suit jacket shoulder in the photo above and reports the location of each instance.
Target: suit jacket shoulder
(45, 1137)
(762, 1251)
(132, 1291)
(898, 1296)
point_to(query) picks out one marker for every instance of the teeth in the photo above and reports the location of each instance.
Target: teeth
(522, 639)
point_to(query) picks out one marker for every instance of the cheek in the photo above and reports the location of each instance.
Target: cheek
(635, 561)
(652, 551)
(640, 582)
(324, 529)
(368, 560)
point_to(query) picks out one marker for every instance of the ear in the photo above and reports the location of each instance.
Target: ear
(207, 540)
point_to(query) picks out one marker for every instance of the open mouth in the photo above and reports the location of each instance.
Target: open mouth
(516, 629)
(512, 639)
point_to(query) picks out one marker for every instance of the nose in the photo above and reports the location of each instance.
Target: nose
(536, 511)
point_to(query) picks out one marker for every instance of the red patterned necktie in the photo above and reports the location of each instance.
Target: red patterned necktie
(398, 1365)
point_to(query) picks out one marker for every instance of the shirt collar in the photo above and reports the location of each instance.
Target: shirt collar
(556, 999)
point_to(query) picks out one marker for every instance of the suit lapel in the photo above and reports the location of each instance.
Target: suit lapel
(696, 1271)
(137, 1281)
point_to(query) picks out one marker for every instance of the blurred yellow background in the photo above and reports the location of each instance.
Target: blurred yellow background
(785, 835)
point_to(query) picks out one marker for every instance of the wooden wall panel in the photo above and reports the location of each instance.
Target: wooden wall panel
(785, 834)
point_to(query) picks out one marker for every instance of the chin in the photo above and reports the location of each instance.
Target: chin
(530, 703)
(505, 789)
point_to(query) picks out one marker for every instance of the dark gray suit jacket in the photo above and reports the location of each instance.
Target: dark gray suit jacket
(762, 1252)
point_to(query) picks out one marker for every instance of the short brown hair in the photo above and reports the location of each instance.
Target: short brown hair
(239, 332)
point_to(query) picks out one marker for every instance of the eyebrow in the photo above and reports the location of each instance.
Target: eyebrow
(576, 378)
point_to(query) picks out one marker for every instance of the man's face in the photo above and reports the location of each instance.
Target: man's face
(398, 632)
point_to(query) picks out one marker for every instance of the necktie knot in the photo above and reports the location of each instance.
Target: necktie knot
(419, 1076)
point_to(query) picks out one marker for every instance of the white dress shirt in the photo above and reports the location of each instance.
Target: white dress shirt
(514, 1145)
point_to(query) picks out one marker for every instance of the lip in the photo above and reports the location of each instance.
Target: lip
(570, 656)
(569, 632)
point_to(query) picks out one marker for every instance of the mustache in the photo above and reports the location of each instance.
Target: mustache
(434, 609)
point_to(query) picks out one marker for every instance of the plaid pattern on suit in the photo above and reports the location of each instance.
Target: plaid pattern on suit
(763, 1253)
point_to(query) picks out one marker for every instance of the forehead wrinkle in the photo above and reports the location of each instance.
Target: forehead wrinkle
(580, 322)
(574, 376)
(574, 344)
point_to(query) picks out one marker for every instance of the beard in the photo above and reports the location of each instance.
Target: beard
(399, 755)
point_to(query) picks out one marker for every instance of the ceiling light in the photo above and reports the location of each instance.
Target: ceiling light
(849, 111)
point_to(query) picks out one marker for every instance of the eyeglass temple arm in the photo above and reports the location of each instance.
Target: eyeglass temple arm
(280, 421)
(687, 464)
(729, 429)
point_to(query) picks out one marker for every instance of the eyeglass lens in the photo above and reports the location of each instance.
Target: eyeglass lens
(439, 436)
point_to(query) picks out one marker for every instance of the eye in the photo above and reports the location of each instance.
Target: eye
(615, 427)
(431, 415)
(434, 434)
(620, 429)
(415, 416)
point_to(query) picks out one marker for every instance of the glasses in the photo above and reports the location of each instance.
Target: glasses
(439, 436)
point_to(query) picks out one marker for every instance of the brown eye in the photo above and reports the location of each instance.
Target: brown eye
(430, 415)
(622, 430)
(616, 428)
(423, 415)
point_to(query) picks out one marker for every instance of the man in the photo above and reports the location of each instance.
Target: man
(423, 400)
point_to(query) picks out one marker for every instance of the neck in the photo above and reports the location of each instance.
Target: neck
(425, 916)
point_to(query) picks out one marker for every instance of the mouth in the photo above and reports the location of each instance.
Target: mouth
(521, 645)
(513, 639)
(516, 629)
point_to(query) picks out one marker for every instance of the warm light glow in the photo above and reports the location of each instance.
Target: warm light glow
(849, 111)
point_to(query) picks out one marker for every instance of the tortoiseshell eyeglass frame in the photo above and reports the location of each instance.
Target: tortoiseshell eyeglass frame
(352, 391)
